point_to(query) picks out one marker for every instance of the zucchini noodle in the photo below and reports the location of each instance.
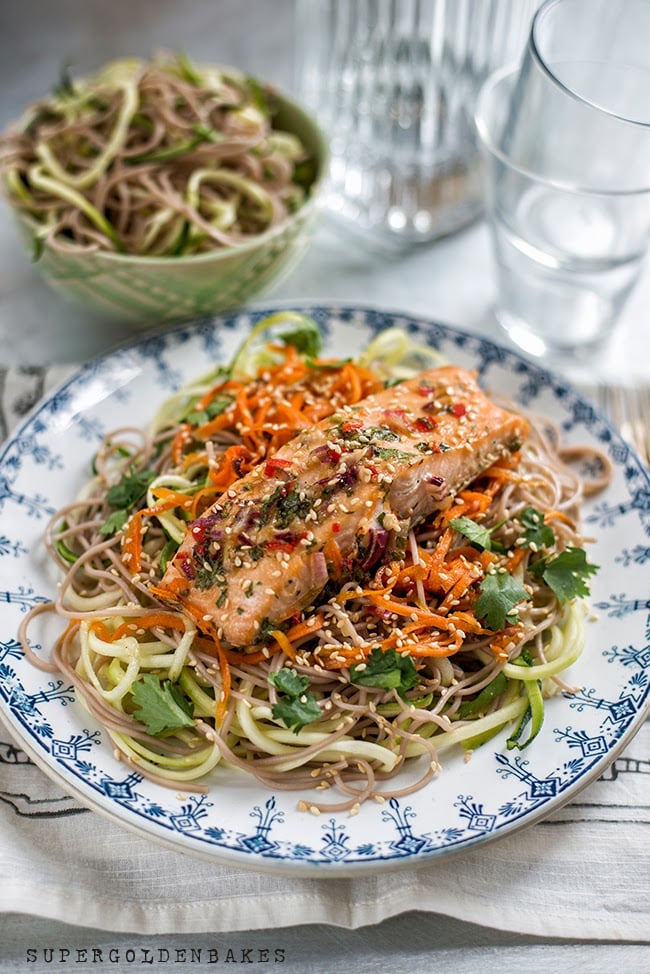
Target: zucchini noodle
(160, 158)
(178, 702)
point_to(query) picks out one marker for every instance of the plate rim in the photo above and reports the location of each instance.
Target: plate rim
(297, 866)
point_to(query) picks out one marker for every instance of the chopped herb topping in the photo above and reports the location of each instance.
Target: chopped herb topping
(536, 534)
(386, 670)
(161, 706)
(130, 488)
(305, 338)
(476, 534)
(124, 495)
(114, 522)
(500, 594)
(296, 705)
(566, 573)
(217, 406)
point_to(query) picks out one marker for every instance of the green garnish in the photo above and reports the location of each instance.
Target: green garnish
(477, 534)
(536, 534)
(114, 522)
(123, 496)
(300, 331)
(304, 337)
(160, 705)
(130, 488)
(217, 406)
(566, 573)
(296, 705)
(500, 593)
(385, 670)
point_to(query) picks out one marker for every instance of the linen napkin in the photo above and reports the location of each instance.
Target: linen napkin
(583, 873)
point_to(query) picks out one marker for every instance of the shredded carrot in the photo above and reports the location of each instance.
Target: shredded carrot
(559, 516)
(501, 640)
(516, 558)
(306, 628)
(170, 591)
(284, 643)
(203, 499)
(284, 398)
(101, 629)
(132, 540)
(434, 650)
(334, 557)
(152, 620)
(235, 463)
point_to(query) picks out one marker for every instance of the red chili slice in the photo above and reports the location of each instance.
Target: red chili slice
(274, 465)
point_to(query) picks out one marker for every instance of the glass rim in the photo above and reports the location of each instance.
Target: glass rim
(534, 47)
(488, 143)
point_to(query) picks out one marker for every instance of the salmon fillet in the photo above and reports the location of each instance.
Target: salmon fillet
(346, 491)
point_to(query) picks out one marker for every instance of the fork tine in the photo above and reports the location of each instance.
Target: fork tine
(634, 405)
(643, 424)
(628, 407)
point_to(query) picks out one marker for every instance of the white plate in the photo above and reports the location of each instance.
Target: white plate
(45, 463)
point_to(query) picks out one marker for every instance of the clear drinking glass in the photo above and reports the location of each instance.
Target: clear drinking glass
(567, 173)
(393, 83)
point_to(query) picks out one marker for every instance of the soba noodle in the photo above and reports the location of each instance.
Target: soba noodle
(158, 158)
(354, 735)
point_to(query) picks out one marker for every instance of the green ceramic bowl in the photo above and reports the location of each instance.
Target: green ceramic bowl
(149, 290)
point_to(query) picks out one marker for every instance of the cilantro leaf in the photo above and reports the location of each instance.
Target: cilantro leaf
(130, 488)
(304, 337)
(295, 713)
(536, 533)
(217, 406)
(566, 573)
(500, 593)
(123, 496)
(114, 522)
(289, 682)
(160, 705)
(386, 670)
(476, 534)
(296, 705)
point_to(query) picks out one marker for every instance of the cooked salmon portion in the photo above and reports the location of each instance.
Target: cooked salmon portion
(340, 496)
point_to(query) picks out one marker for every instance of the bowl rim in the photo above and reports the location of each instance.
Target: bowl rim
(321, 150)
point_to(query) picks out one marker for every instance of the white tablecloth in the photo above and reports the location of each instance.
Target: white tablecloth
(79, 893)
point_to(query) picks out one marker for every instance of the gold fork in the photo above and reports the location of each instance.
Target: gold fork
(629, 409)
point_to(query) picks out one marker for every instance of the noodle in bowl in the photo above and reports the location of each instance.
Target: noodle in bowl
(164, 213)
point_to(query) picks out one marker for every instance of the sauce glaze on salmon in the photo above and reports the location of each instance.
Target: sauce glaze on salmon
(347, 491)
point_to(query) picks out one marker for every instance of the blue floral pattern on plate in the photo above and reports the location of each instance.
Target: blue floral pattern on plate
(237, 820)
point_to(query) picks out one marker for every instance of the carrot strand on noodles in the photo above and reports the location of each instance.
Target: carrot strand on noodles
(132, 540)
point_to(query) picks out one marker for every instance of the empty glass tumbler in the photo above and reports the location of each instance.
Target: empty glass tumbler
(393, 83)
(566, 142)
